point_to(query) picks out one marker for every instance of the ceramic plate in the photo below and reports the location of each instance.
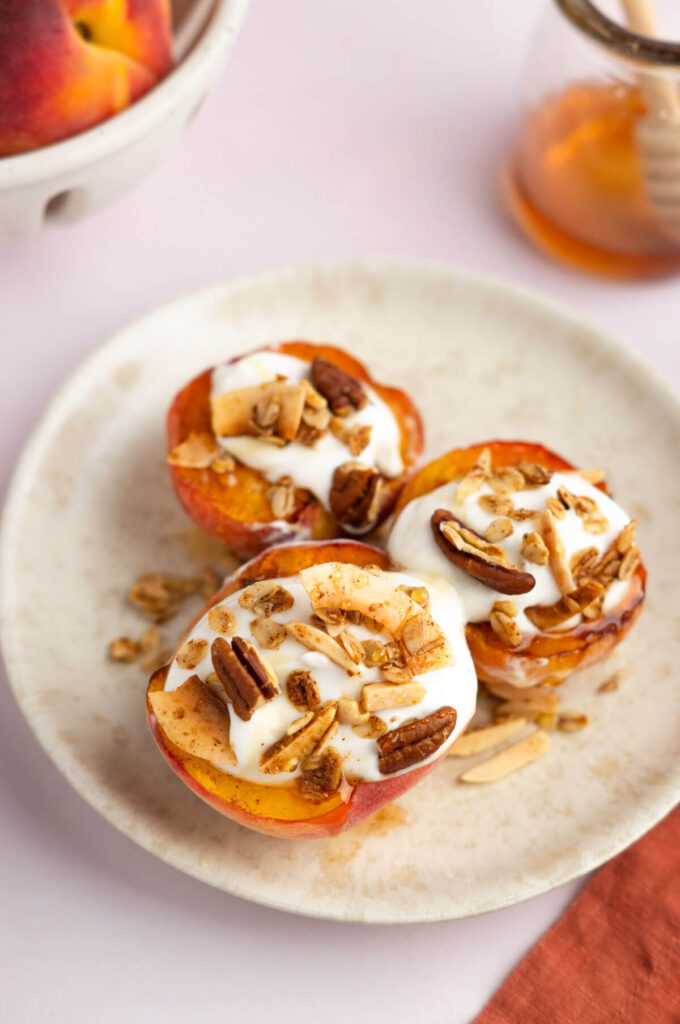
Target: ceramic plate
(91, 508)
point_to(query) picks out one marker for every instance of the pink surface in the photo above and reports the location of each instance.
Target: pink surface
(338, 129)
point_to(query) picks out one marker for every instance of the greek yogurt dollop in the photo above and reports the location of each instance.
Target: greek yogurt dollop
(454, 686)
(308, 467)
(412, 544)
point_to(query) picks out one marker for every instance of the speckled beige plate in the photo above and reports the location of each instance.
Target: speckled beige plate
(91, 507)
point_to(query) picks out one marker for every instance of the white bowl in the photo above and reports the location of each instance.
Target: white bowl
(70, 179)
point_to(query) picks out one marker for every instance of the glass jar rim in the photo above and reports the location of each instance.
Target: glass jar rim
(618, 39)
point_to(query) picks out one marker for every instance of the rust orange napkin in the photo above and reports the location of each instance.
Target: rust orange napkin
(614, 956)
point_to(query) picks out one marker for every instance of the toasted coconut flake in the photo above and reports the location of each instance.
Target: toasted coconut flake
(534, 548)
(339, 584)
(317, 640)
(498, 529)
(384, 696)
(274, 409)
(191, 653)
(510, 760)
(195, 720)
(222, 620)
(123, 648)
(557, 558)
(268, 633)
(265, 598)
(196, 452)
(476, 741)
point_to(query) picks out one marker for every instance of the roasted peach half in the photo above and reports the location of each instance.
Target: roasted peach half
(600, 586)
(308, 806)
(239, 506)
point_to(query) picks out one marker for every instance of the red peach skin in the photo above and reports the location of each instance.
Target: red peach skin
(66, 65)
(546, 657)
(275, 810)
(234, 508)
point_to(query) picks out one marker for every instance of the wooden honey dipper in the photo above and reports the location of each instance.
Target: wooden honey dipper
(658, 133)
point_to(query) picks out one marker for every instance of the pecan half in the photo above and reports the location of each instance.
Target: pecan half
(342, 391)
(355, 494)
(249, 682)
(486, 562)
(415, 741)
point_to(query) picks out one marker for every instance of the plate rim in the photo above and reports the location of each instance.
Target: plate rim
(667, 793)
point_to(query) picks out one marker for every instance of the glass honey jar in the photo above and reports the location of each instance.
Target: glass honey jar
(594, 176)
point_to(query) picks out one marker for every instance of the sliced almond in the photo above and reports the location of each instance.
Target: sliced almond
(476, 741)
(197, 451)
(299, 723)
(317, 640)
(195, 720)
(557, 558)
(539, 697)
(384, 696)
(285, 755)
(509, 760)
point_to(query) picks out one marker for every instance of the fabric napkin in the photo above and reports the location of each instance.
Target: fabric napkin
(614, 956)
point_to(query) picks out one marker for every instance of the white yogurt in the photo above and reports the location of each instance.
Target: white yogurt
(412, 544)
(309, 467)
(454, 686)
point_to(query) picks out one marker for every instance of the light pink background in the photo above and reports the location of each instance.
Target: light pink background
(339, 129)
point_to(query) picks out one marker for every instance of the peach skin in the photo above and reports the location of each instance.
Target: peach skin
(66, 65)
(281, 810)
